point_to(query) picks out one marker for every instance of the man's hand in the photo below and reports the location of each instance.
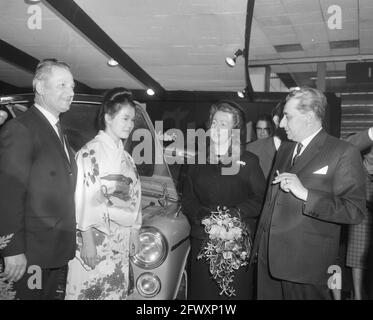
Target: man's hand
(15, 267)
(290, 182)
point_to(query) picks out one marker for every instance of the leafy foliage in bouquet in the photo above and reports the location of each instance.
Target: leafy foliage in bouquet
(6, 288)
(227, 248)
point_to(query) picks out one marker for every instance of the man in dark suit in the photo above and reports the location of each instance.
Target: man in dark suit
(317, 185)
(37, 184)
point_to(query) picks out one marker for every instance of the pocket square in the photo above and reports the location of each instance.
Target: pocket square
(323, 170)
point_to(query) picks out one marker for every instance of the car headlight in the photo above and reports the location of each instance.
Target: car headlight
(148, 285)
(153, 248)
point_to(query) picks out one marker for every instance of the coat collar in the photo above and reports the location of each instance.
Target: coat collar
(54, 136)
(309, 153)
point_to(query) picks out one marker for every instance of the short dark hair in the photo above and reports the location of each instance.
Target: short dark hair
(114, 100)
(239, 119)
(45, 67)
(310, 99)
(267, 118)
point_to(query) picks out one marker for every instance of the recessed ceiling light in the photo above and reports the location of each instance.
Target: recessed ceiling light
(150, 92)
(112, 63)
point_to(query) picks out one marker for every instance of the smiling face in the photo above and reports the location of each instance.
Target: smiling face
(56, 91)
(221, 127)
(294, 122)
(120, 125)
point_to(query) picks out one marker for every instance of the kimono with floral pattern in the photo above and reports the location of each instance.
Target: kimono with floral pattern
(108, 197)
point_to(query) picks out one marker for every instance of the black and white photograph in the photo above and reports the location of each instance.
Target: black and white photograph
(186, 155)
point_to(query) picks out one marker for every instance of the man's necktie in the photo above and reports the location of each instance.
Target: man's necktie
(297, 154)
(60, 134)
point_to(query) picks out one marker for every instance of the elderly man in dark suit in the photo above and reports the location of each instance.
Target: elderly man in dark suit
(37, 183)
(317, 184)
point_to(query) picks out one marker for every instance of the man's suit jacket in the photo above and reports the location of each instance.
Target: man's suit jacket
(265, 150)
(361, 140)
(37, 184)
(304, 236)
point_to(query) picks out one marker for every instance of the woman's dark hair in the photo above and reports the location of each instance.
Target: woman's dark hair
(239, 119)
(113, 101)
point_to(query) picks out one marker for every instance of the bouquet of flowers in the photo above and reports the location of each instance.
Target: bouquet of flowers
(227, 249)
(6, 288)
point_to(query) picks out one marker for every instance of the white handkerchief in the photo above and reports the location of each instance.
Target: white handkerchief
(323, 170)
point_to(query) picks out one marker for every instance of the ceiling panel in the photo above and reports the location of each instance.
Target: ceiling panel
(183, 44)
(56, 39)
(301, 6)
(184, 35)
(313, 17)
(312, 32)
(14, 75)
(316, 49)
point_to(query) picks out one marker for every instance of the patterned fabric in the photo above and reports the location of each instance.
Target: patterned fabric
(108, 197)
(6, 288)
(360, 235)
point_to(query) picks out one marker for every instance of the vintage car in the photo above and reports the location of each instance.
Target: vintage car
(159, 266)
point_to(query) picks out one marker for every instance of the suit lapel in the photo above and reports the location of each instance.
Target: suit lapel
(52, 134)
(311, 151)
(282, 164)
(269, 148)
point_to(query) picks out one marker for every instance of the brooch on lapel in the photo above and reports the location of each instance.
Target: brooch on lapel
(241, 163)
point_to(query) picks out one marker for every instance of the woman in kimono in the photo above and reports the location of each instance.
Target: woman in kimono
(108, 212)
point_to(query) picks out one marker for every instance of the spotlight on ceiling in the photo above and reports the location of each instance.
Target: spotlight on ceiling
(231, 61)
(112, 63)
(150, 92)
(241, 94)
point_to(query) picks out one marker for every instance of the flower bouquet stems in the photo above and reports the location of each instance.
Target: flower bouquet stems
(227, 248)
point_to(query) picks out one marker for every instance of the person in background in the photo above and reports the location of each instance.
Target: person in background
(206, 187)
(37, 184)
(360, 236)
(265, 149)
(317, 184)
(264, 127)
(108, 207)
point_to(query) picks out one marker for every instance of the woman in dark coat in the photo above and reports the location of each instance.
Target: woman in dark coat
(208, 186)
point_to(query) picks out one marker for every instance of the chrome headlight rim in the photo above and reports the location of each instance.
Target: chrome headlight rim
(152, 265)
(155, 277)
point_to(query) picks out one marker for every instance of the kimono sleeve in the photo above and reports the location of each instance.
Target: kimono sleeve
(90, 205)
